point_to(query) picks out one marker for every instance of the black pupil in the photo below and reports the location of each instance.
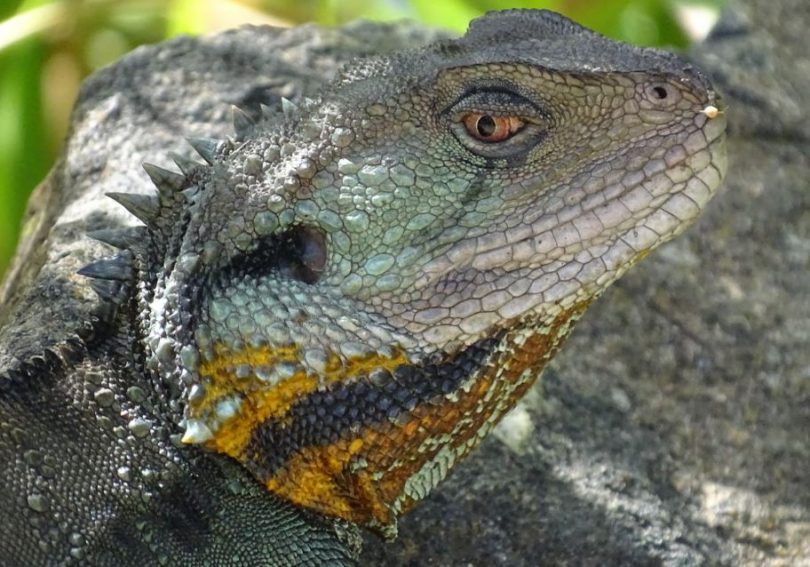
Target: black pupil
(660, 92)
(485, 126)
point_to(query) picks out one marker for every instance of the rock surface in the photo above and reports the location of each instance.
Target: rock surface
(673, 428)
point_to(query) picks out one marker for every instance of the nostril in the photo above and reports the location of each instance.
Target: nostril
(659, 92)
(662, 94)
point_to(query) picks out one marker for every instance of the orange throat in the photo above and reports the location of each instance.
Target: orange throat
(370, 437)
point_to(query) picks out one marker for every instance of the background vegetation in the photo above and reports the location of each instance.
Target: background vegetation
(48, 46)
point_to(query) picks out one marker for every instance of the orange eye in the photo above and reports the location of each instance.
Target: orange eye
(489, 128)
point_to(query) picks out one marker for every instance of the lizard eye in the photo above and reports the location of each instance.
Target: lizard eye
(490, 128)
(495, 123)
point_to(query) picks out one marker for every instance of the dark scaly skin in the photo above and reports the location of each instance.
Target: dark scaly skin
(347, 297)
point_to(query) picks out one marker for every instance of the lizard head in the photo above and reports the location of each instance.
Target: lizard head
(358, 289)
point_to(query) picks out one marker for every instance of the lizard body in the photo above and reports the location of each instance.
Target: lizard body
(345, 298)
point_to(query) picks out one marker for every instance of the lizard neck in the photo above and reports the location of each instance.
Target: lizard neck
(388, 431)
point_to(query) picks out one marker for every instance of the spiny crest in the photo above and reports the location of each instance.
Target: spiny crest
(208, 148)
(248, 123)
(187, 166)
(127, 238)
(243, 123)
(159, 212)
(110, 291)
(164, 213)
(144, 207)
(166, 181)
(289, 108)
(143, 248)
(268, 112)
(111, 278)
(116, 268)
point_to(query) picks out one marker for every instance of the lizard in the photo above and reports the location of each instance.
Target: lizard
(312, 327)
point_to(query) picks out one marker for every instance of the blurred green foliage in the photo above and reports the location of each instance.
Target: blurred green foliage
(48, 46)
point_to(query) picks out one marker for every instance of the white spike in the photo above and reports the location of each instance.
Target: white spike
(196, 432)
(289, 108)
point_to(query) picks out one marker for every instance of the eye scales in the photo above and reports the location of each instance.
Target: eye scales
(351, 293)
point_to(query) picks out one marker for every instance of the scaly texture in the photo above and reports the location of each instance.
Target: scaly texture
(347, 296)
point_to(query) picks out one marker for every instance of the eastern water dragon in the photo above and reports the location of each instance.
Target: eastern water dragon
(314, 321)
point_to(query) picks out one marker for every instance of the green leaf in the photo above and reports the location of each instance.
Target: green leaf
(450, 14)
(24, 153)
